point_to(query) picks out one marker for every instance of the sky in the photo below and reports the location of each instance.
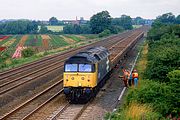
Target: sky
(69, 9)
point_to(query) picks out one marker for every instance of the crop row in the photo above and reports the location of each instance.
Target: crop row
(38, 41)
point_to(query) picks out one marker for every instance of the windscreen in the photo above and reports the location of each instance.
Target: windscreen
(71, 67)
(79, 68)
(85, 68)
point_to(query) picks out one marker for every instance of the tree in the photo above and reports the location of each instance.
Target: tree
(159, 29)
(139, 21)
(53, 21)
(85, 29)
(163, 57)
(105, 33)
(77, 29)
(167, 18)
(115, 29)
(43, 30)
(116, 21)
(178, 19)
(126, 22)
(19, 27)
(32, 27)
(100, 21)
(28, 52)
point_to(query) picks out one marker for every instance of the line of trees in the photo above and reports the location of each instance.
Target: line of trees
(168, 18)
(100, 22)
(24, 27)
(77, 29)
(19, 27)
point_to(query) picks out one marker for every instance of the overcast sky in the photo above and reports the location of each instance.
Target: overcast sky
(69, 9)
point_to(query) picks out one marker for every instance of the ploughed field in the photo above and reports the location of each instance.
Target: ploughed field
(39, 42)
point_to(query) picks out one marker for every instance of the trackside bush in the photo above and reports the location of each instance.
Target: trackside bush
(163, 57)
(160, 95)
(174, 82)
(28, 52)
(105, 33)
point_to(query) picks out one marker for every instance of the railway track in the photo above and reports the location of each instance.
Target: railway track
(69, 112)
(9, 83)
(26, 109)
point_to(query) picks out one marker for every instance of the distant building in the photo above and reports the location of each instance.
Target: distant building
(45, 22)
(75, 22)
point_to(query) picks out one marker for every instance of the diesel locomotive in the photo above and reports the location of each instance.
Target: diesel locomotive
(85, 73)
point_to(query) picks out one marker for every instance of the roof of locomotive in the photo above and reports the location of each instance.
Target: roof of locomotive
(90, 55)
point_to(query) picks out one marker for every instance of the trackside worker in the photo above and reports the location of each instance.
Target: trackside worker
(126, 76)
(135, 82)
(135, 77)
(130, 80)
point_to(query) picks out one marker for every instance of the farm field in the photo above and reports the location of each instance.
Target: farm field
(40, 42)
(55, 28)
(11, 47)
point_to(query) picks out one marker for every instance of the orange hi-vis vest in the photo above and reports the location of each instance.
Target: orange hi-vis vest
(135, 75)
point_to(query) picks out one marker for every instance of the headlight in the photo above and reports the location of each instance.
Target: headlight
(82, 78)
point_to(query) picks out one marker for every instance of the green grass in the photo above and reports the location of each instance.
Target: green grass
(90, 36)
(28, 41)
(18, 38)
(17, 62)
(57, 41)
(55, 28)
(137, 26)
(39, 43)
(75, 38)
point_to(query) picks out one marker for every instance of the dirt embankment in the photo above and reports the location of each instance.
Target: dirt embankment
(45, 41)
(23, 40)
